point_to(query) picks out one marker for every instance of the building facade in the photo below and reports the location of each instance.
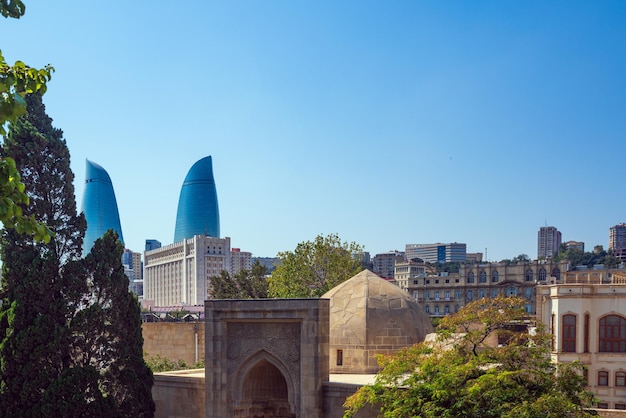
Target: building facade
(198, 211)
(617, 241)
(383, 264)
(179, 274)
(240, 260)
(437, 253)
(548, 242)
(588, 324)
(99, 206)
(408, 271)
(445, 293)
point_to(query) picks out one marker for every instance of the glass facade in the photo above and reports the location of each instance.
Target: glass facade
(198, 212)
(99, 206)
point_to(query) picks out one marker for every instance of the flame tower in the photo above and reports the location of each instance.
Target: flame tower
(198, 212)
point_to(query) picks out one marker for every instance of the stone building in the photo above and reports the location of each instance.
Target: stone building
(586, 314)
(447, 293)
(370, 316)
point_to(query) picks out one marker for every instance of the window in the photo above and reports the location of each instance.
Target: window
(436, 309)
(620, 406)
(415, 282)
(447, 295)
(457, 293)
(613, 334)
(456, 308)
(427, 309)
(456, 280)
(469, 295)
(437, 281)
(447, 280)
(529, 275)
(568, 344)
(603, 405)
(495, 277)
(482, 277)
(586, 335)
(620, 378)
(481, 293)
(436, 295)
(416, 295)
(529, 293)
(494, 293)
(543, 274)
(446, 309)
(470, 277)
(339, 357)
(427, 295)
(511, 291)
(556, 273)
(603, 378)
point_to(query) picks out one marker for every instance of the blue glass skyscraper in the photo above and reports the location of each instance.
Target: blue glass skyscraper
(99, 206)
(198, 213)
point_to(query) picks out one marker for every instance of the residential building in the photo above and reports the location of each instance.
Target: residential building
(548, 242)
(587, 318)
(198, 211)
(443, 293)
(99, 206)
(180, 273)
(383, 264)
(617, 241)
(437, 253)
(575, 244)
(473, 257)
(240, 260)
(406, 272)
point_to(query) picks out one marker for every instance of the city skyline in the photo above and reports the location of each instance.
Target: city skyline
(385, 123)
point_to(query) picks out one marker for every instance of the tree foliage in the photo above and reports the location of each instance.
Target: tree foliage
(16, 82)
(578, 257)
(70, 331)
(246, 284)
(465, 374)
(314, 267)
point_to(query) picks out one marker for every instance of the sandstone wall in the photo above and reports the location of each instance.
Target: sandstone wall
(174, 340)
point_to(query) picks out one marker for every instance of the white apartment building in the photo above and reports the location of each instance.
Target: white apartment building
(179, 274)
(586, 315)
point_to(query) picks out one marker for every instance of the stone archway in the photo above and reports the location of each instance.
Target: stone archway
(264, 393)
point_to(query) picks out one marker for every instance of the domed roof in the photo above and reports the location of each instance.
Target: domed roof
(371, 311)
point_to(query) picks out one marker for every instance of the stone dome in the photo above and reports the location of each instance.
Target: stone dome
(370, 316)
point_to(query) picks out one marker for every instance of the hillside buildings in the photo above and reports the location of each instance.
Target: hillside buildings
(548, 242)
(383, 264)
(437, 253)
(99, 206)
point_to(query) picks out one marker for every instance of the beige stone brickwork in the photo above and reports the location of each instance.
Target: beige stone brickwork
(174, 340)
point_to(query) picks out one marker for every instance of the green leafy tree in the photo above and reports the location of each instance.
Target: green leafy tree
(246, 284)
(39, 286)
(107, 331)
(314, 267)
(466, 373)
(16, 82)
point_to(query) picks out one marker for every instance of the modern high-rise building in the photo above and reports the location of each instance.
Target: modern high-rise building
(437, 253)
(99, 206)
(617, 241)
(152, 244)
(548, 242)
(198, 212)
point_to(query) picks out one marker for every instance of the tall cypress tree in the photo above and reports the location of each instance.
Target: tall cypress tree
(37, 294)
(110, 321)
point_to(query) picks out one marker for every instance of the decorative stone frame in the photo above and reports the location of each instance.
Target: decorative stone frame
(291, 335)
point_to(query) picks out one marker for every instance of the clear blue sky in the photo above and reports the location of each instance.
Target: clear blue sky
(386, 122)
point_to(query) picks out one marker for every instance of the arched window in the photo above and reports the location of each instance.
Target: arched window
(620, 378)
(613, 334)
(568, 345)
(556, 273)
(529, 275)
(543, 274)
(603, 378)
(470, 277)
(483, 277)
(511, 291)
(495, 276)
